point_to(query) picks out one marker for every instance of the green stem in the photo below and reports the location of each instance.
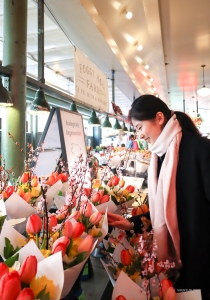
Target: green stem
(37, 240)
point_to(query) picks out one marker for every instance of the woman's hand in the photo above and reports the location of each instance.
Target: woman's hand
(118, 221)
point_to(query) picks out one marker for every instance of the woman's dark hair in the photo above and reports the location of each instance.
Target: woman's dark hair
(146, 107)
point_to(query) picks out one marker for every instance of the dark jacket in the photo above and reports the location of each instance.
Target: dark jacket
(193, 213)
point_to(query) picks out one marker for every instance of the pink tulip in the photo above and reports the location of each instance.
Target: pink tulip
(86, 244)
(75, 215)
(78, 229)
(96, 197)
(10, 286)
(3, 270)
(64, 211)
(104, 199)
(86, 209)
(170, 294)
(52, 222)
(26, 294)
(28, 269)
(34, 224)
(60, 245)
(95, 218)
(67, 229)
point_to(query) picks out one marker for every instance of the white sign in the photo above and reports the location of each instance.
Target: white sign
(73, 134)
(90, 83)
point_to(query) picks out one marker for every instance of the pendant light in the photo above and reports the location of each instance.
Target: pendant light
(204, 91)
(93, 120)
(117, 125)
(39, 105)
(106, 124)
(124, 128)
(73, 107)
(5, 99)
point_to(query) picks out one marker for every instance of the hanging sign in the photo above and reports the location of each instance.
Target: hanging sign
(90, 83)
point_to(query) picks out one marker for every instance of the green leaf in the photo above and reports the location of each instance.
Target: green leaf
(60, 193)
(113, 198)
(112, 269)
(80, 257)
(43, 295)
(9, 249)
(69, 246)
(10, 261)
(130, 198)
(2, 219)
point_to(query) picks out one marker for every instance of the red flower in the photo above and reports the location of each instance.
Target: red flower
(9, 190)
(87, 192)
(34, 182)
(95, 218)
(34, 224)
(105, 199)
(25, 177)
(60, 245)
(3, 270)
(28, 269)
(86, 244)
(125, 257)
(78, 229)
(120, 298)
(130, 188)
(67, 229)
(10, 286)
(115, 180)
(26, 294)
(52, 222)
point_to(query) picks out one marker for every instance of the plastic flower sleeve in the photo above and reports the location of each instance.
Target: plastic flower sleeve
(52, 268)
(110, 206)
(30, 249)
(190, 295)
(2, 208)
(71, 274)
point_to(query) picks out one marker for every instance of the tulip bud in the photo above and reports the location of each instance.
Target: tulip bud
(86, 244)
(170, 294)
(115, 180)
(165, 285)
(125, 257)
(95, 218)
(67, 229)
(28, 269)
(34, 182)
(75, 215)
(86, 209)
(122, 183)
(26, 294)
(78, 230)
(64, 177)
(9, 190)
(50, 181)
(87, 192)
(25, 177)
(60, 245)
(101, 193)
(104, 199)
(10, 286)
(95, 198)
(27, 197)
(3, 270)
(20, 192)
(52, 222)
(121, 297)
(109, 183)
(64, 211)
(34, 224)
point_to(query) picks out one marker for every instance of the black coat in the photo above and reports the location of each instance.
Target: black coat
(193, 213)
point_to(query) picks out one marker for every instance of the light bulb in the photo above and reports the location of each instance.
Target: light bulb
(129, 15)
(139, 47)
(156, 95)
(146, 67)
(151, 79)
(154, 88)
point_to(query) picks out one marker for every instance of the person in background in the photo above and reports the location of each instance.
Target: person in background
(179, 191)
(129, 143)
(122, 145)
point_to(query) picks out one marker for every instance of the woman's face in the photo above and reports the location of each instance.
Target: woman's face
(150, 129)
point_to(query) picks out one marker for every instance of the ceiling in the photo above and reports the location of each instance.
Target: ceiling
(175, 36)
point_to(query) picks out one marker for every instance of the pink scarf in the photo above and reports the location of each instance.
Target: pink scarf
(162, 191)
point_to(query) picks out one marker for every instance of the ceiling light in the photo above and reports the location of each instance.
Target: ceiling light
(204, 91)
(5, 99)
(106, 124)
(93, 120)
(139, 47)
(73, 107)
(124, 128)
(146, 67)
(128, 15)
(39, 105)
(117, 125)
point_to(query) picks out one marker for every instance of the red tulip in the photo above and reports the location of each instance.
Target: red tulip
(52, 222)
(104, 199)
(165, 285)
(95, 218)
(120, 298)
(86, 244)
(109, 183)
(130, 188)
(25, 177)
(67, 229)
(26, 294)
(64, 211)
(75, 215)
(34, 182)
(78, 229)
(60, 245)
(125, 257)
(115, 180)
(9, 190)
(50, 181)
(10, 286)
(101, 193)
(28, 269)
(170, 294)
(34, 224)
(86, 208)
(87, 192)
(3, 270)
(27, 197)
(64, 177)
(95, 198)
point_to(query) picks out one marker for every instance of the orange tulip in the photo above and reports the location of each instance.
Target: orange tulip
(104, 199)
(27, 197)
(50, 181)
(122, 183)
(78, 229)
(52, 222)
(95, 218)
(10, 286)
(67, 229)
(86, 244)
(60, 245)
(86, 208)
(3, 270)
(34, 224)
(75, 215)
(26, 294)
(20, 192)
(34, 182)
(28, 269)
(4, 195)
(125, 257)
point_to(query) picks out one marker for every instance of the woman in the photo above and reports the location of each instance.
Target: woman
(179, 190)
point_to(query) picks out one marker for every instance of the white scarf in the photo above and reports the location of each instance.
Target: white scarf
(162, 191)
